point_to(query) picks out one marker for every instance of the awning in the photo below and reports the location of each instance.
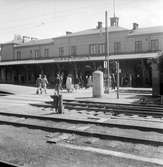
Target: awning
(135, 56)
(54, 60)
(84, 58)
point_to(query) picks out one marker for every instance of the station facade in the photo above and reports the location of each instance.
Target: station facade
(79, 54)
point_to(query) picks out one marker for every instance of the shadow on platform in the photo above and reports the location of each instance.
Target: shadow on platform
(4, 93)
(138, 91)
(42, 105)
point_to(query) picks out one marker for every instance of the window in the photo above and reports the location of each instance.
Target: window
(61, 51)
(154, 45)
(117, 47)
(101, 49)
(18, 54)
(30, 53)
(73, 50)
(138, 46)
(92, 49)
(37, 54)
(46, 52)
(95, 49)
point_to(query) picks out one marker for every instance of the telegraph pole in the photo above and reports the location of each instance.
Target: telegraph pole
(107, 50)
(117, 69)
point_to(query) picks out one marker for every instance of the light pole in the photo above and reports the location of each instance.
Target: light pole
(117, 70)
(107, 50)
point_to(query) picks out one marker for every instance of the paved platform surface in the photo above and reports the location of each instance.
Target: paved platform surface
(127, 95)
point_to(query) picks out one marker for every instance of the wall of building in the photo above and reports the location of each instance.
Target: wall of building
(7, 52)
(146, 42)
(160, 36)
(120, 36)
(82, 44)
(28, 52)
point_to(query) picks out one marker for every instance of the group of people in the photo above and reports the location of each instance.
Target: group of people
(59, 82)
(41, 84)
(68, 82)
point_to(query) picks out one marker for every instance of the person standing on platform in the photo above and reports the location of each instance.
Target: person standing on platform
(59, 79)
(81, 82)
(69, 83)
(89, 82)
(44, 83)
(39, 85)
(113, 81)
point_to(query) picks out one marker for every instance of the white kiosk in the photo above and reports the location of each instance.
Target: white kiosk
(98, 84)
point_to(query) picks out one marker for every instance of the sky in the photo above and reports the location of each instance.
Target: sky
(52, 18)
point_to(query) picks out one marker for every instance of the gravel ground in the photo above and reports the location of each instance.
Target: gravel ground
(30, 148)
(138, 149)
(126, 147)
(128, 132)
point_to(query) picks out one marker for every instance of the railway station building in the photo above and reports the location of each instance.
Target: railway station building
(139, 51)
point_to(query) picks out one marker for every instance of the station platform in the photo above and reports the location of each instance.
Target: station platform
(24, 100)
(127, 95)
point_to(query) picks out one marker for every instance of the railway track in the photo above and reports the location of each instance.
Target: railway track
(114, 128)
(144, 106)
(110, 130)
(115, 109)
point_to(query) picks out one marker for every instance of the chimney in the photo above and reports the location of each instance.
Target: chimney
(99, 25)
(68, 32)
(135, 26)
(114, 21)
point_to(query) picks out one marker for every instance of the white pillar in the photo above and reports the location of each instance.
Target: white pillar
(98, 84)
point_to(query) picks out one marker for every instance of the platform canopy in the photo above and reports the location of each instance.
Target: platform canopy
(136, 56)
(83, 58)
(54, 60)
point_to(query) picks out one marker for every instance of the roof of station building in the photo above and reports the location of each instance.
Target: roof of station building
(139, 31)
(84, 32)
(36, 42)
(147, 30)
(96, 31)
(11, 42)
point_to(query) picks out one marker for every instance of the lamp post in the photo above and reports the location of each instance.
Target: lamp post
(107, 50)
(117, 70)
